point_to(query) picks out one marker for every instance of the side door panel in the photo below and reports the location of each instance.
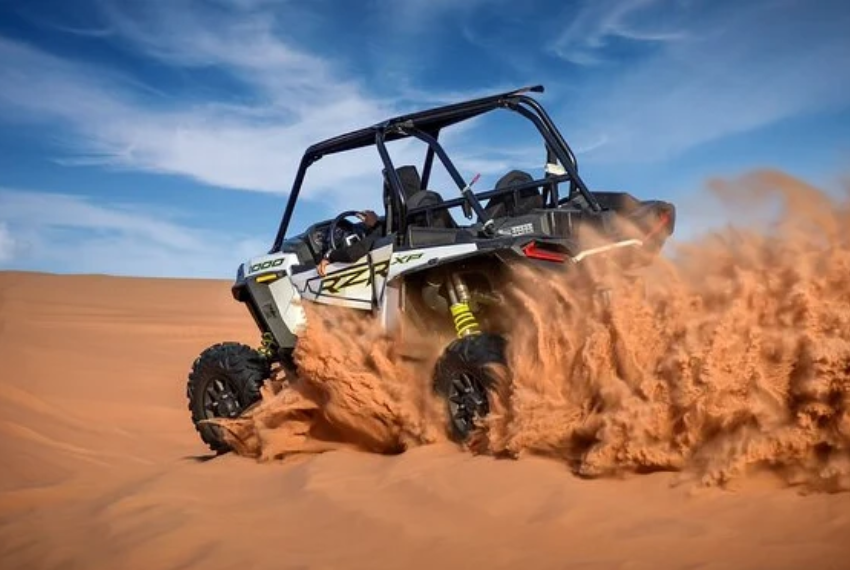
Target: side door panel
(358, 285)
(380, 258)
(344, 285)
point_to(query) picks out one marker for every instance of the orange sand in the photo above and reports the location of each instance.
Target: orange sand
(727, 368)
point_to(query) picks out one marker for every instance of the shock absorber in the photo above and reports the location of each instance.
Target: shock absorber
(267, 345)
(464, 320)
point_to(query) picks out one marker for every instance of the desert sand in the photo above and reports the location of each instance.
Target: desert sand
(102, 469)
(741, 465)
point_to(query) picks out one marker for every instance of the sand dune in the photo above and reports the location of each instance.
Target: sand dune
(102, 469)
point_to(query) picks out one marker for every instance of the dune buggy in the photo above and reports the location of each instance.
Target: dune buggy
(424, 264)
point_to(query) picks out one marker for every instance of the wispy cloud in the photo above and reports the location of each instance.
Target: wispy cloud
(251, 140)
(7, 244)
(748, 67)
(291, 100)
(677, 73)
(594, 24)
(236, 41)
(71, 233)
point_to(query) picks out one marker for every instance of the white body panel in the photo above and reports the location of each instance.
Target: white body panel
(367, 284)
(415, 258)
(391, 307)
(288, 303)
(344, 285)
(270, 263)
(361, 285)
(370, 283)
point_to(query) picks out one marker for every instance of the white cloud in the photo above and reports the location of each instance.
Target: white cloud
(292, 99)
(7, 244)
(742, 70)
(66, 232)
(243, 43)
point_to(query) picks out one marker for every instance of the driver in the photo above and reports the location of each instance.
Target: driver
(352, 252)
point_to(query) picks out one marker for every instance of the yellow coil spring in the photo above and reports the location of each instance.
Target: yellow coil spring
(465, 323)
(266, 346)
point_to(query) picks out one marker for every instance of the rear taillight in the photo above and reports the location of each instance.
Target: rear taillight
(533, 251)
(663, 222)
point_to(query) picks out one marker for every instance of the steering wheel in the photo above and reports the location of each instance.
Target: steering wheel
(332, 238)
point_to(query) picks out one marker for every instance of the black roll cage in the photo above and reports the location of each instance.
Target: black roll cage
(426, 126)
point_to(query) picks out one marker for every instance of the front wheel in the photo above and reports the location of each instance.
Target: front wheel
(464, 376)
(224, 381)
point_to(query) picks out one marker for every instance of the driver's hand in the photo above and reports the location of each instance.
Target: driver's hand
(322, 268)
(368, 217)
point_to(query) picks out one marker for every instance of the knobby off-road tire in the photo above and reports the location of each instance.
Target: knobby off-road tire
(224, 381)
(464, 377)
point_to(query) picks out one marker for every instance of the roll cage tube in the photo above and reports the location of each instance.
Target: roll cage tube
(443, 116)
(555, 142)
(429, 162)
(306, 161)
(436, 147)
(560, 147)
(576, 180)
(547, 120)
(395, 184)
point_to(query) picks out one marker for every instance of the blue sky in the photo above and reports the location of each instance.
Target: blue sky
(161, 137)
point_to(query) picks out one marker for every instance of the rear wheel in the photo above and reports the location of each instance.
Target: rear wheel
(224, 381)
(464, 376)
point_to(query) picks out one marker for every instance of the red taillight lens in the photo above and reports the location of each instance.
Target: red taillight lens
(662, 223)
(533, 251)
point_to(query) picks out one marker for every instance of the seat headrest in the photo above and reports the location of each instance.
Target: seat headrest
(513, 177)
(411, 182)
